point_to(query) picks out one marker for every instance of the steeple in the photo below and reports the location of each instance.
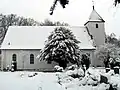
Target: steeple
(94, 16)
(95, 26)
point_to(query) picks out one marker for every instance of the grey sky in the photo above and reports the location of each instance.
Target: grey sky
(76, 13)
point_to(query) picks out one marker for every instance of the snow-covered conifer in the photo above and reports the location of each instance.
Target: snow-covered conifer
(61, 47)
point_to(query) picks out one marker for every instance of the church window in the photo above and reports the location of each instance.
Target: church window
(14, 57)
(96, 25)
(31, 59)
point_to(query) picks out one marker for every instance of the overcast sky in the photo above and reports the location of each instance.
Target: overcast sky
(75, 14)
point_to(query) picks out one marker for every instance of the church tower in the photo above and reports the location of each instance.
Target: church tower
(95, 27)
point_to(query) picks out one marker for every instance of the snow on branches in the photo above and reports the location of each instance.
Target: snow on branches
(61, 47)
(62, 2)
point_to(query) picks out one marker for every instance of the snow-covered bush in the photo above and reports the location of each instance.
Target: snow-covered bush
(58, 68)
(114, 81)
(94, 78)
(91, 77)
(69, 72)
(27, 74)
(114, 62)
(72, 67)
(65, 79)
(81, 72)
(105, 52)
(32, 74)
(111, 72)
(76, 73)
(69, 75)
(103, 86)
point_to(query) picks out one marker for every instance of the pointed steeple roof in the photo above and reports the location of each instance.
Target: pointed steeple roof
(94, 16)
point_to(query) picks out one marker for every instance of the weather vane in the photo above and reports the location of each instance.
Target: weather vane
(93, 3)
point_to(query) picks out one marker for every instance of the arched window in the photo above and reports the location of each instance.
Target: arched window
(31, 59)
(14, 56)
(96, 25)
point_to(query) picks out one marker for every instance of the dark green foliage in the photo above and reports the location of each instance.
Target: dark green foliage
(62, 2)
(117, 2)
(85, 60)
(103, 53)
(111, 39)
(75, 75)
(61, 47)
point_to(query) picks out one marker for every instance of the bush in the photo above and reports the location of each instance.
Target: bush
(32, 74)
(114, 62)
(72, 67)
(76, 73)
(58, 68)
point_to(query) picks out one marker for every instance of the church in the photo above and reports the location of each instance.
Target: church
(22, 44)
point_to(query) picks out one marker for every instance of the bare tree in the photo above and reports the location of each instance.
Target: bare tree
(47, 22)
(14, 20)
(64, 2)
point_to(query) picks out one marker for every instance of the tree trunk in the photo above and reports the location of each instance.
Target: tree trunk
(106, 64)
(63, 64)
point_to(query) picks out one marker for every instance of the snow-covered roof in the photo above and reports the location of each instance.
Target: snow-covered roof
(94, 16)
(33, 37)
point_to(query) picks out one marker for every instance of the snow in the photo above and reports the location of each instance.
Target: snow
(21, 81)
(34, 37)
(58, 68)
(24, 80)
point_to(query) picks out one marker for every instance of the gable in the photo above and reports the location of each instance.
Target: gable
(94, 16)
(34, 37)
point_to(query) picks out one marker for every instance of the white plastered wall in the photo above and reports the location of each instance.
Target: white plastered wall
(24, 55)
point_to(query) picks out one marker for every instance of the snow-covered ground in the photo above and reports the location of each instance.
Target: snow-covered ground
(47, 81)
(21, 81)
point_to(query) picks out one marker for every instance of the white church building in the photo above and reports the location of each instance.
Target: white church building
(22, 44)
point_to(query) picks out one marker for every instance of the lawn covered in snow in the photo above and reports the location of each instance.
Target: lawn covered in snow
(23, 80)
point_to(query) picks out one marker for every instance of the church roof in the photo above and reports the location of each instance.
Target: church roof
(33, 37)
(94, 16)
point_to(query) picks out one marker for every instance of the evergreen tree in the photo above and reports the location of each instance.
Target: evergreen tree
(61, 47)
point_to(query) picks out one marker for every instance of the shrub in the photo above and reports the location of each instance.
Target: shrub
(58, 68)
